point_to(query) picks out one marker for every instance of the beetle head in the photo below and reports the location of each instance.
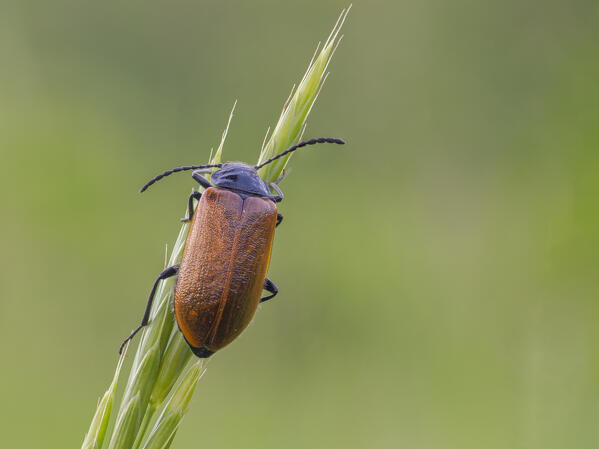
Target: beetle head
(240, 177)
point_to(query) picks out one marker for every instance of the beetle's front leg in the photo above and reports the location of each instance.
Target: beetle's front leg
(280, 178)
(279, 196)
(197, 175)
(270, 287)
(190, 210)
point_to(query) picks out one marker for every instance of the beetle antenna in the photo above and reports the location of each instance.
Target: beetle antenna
(299, 145)
(176, 170)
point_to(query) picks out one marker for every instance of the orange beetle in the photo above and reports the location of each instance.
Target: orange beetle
(227, 252)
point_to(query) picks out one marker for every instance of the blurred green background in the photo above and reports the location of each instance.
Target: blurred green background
(438, 275)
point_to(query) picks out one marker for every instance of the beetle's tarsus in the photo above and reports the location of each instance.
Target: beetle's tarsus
(270, 287)
(280, 178)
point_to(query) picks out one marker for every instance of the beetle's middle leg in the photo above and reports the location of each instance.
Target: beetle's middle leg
(194, 196)
(270, 287)
(169, 272)
(279, 219)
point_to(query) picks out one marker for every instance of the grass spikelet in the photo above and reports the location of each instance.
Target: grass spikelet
(97, 429)
(292, 121)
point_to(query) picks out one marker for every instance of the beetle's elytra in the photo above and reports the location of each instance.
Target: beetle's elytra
(216, 297)
(227, 252)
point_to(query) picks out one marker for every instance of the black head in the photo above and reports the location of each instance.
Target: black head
(240, 177)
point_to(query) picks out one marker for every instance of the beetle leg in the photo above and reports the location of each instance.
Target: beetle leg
(197, 175)
(281, 177)
(279, 219)
(194, 195)
(279, 197)
(169, 272)
(270, 287)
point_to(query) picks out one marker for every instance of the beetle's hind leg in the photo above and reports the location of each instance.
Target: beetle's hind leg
(190, 210)
(169, 272)
(270, 287)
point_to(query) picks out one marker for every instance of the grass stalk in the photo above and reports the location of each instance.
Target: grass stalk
(162, 377)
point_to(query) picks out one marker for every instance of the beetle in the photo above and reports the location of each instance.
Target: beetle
(227, 252)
